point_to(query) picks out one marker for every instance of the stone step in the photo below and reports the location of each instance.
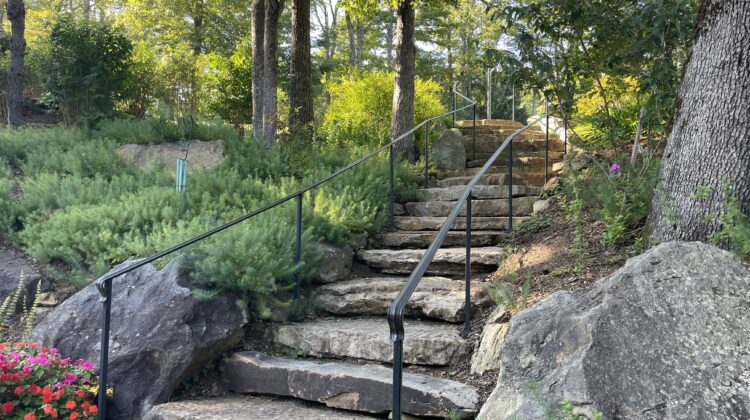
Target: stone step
(487, 122)
(447, 261)
(522, 206)
(245, 407)
(435, 297)
(471, 171)
(348, 386)
(519, 178)
(427, 343)
(435, 223)
(505, 132)
(490, 143)
(423, 239)
(519, 158)
(479, 192)
(520, 164)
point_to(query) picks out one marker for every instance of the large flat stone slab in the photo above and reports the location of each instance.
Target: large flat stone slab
(364, 388)
(435, 297)
(447, 261)
(245, 407)
(202, 155)
(426, 343)
(423, 239)
(479, 192)
(522, 206)
(413, 223)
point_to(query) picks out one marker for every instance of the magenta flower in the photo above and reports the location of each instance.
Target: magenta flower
(614, 168)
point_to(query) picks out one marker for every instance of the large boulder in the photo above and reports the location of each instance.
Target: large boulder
(448, 150)
(160, 333)
(665, 337)
(201, 155)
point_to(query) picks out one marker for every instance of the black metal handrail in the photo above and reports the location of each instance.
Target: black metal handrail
(396, 310)
(104, 284)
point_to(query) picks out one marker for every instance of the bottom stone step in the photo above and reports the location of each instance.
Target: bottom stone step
(245, 407)
(347, 386)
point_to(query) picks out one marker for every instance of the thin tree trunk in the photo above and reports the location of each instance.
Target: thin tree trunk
(403, 89)
(389, 35)
(300, 87)
(352, 43)
(86, 9)
(270, 79)
(258, 11)
(17, 17)
(710, 137)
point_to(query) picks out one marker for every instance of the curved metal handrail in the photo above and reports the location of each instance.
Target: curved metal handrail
(396, 310)
(104, 284)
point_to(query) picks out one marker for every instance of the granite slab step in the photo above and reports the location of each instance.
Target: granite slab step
(423, 239)
(490, 143)
(528, 178)
(479, 192)
(427, 343)
(365, 388)
(447, 261)
(522, 206)
(435, 297)
(413, 223)
(246, 407)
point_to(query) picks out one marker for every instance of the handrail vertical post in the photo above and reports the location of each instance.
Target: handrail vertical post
(427, 155)
(392, 195)
(474, 133)
(454, 105)
(546, 142)
(565, 131)
(298, 249)
(467, 271)
(510, 186)
(513, 102)
(398, 352)
(104, 356)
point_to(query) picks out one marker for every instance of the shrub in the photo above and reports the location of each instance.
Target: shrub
(7, 209)
(735, 225)
(87, 66)
(226, 85)
(38, 381)
(360, 108)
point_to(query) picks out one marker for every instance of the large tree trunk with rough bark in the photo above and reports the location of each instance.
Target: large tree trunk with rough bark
(258, 11)
(300, 86)
(403, 89)
(270, 70)
(17, 17)
(710, 137)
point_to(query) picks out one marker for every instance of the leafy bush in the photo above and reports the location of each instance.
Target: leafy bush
(360, 109)
(614, 129)
(38, 381)
(735, 225)
(226, 85)
(7, 210)
(86, 66)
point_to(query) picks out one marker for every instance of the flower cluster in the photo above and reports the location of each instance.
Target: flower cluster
(615, 169)
(36, 382)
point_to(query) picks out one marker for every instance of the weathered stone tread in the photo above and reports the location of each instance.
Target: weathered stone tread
(423, 239)
(435, 297)
(522, 206)
(479, 192)
(245, 407)
(427, 343)
(447, 261)
(348, 386)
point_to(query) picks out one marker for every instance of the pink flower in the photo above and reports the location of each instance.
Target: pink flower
(27, 369)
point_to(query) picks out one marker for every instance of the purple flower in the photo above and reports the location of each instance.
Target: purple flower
(69, 378)
(58, 385)
(27, 369)
(614, 168)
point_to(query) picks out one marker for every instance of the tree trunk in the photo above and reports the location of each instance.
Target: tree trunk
(710, 137)
(300, 86)
(17, 17)
(270, 78)
(258, 11)
(352, 43)
(86, 9)
(389, 35)
(403, 89)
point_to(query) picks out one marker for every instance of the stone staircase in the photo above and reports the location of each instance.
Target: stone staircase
(347, 351)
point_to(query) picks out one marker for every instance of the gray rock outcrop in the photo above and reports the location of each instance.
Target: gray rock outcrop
(160, 333)
(448, 150)
(335, 262)
(665, 337)
(201, 155)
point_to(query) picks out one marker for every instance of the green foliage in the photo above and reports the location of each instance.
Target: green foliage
(621, 197)
(360, 109)
(86, 66)
(502, 293)
(8, 308)
(532, 224)
(7, 209)
(735, 225)
(226, 85)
